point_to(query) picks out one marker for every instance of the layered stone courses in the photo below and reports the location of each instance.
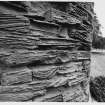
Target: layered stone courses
(45, 51)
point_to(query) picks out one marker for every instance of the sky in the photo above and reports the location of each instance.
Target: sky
(99, 7)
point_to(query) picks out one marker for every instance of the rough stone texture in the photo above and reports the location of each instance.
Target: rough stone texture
(20, 75)
(45, 51)
(52, 95)
(73, 94)
(61, 17)
(63, 94)
(12, 58)
(44, 72)
(24, 96)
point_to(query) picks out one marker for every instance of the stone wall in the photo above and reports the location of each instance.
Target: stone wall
(45, 51)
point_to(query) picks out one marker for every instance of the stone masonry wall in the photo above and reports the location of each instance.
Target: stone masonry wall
(45, 51)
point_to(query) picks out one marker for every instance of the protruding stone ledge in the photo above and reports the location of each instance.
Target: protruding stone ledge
(13, 58)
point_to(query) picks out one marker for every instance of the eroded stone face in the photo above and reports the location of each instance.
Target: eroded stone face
(17, 97)
(45, 51)
(18, 76)
(19, 57)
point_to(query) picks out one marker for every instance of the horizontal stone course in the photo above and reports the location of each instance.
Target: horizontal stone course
(12, 58)
(45, 51)
(21, 75)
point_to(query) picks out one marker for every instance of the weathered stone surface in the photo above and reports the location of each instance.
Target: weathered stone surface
(45, 51)
(17, 97)
(70, 79)
(48, 71)
(13, 7)
(82, 14)
(86, 5)
(14, 32)
(76, 78)
(70, 67)
(72, 8)
(14, 21)
(11, 58)
(86, 65)
(43, 33)
(63, 94)
(55, 30)
(85, 86)
(58, 43)
(40, 84)
(44, 72)
(61, 17)
(44, 26)
(52, 95)
(80, 35)
(21, 75)
(63, 32)
(22, 88)
(61, 80)
(80, 11)
(37, 9)
(73, 94)
(53, 82)
(15, 41)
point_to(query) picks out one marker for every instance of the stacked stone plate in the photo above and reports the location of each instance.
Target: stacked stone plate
(39, 59)
(84, 12)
